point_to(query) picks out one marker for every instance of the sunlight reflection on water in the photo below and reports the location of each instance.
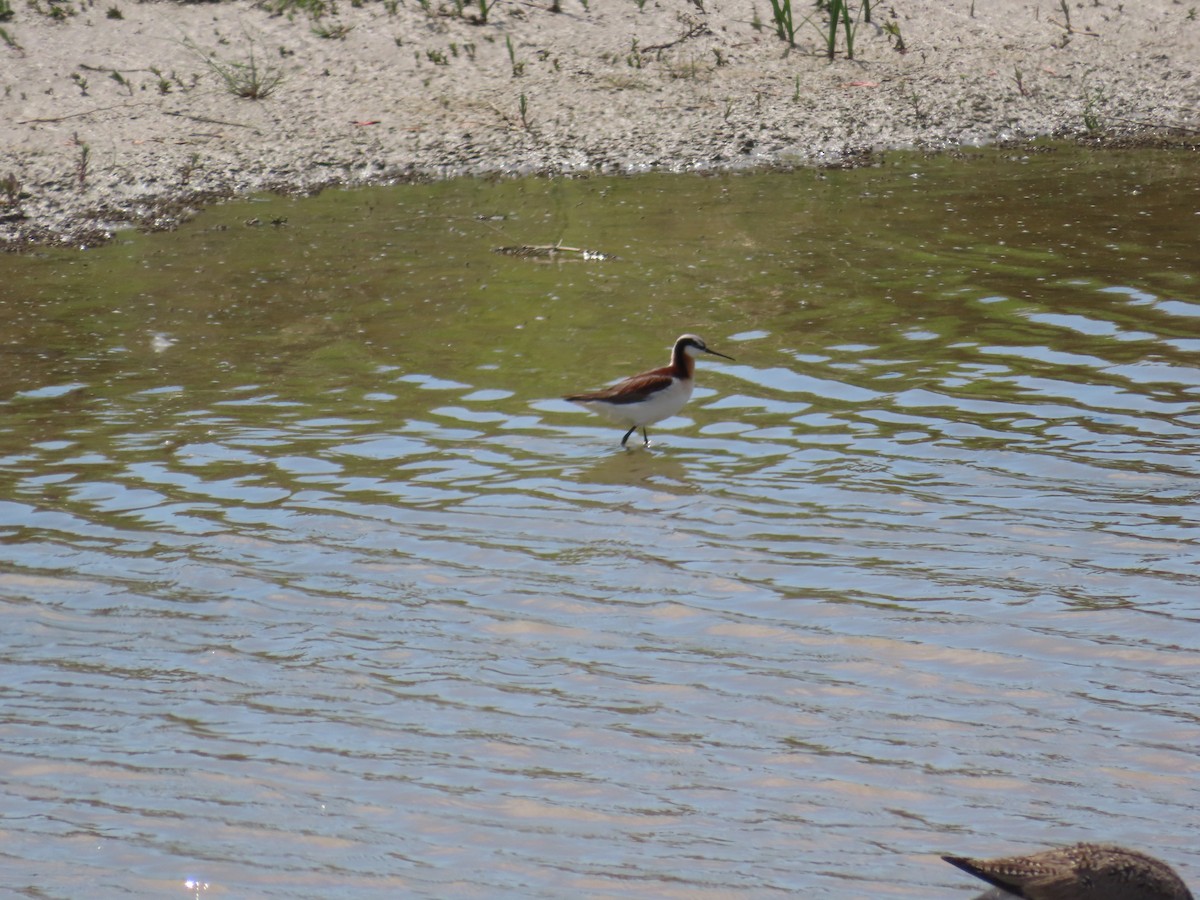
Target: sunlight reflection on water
(312, 587)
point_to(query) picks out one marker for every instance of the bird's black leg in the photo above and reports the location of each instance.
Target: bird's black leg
(645, 437)
(627, 434)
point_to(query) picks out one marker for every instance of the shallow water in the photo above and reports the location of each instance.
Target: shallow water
(312, 588)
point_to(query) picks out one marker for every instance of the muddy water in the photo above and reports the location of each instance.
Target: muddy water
(312, 588)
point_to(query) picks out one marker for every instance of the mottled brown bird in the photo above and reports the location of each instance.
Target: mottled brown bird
(1078, 872)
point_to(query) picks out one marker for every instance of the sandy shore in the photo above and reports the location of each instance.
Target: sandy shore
(117, 113)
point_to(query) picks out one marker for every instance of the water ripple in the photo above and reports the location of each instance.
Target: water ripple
(354, 607)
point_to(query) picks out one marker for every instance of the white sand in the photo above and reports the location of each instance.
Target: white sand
(417, 92)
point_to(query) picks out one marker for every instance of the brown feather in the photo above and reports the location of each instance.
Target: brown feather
(633, 389)
(1079, 872)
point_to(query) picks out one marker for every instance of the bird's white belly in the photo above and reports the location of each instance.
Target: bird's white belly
(655, 408)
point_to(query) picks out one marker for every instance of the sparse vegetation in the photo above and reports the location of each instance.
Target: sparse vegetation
(1066, 11)
(684, 69)
(250, 79)
(58, 10)
(334, 31)
(188, 169)
(895, 38)
(831, 18)
(1092, 101)
(484, 8)
(315, 9)
(634, 58)
(163, 83)
(121, 80)
(10, 190)
(781, 15)
(839, 16)
(82, 162)
(436, 47)
(1019, 80)
(518, 68)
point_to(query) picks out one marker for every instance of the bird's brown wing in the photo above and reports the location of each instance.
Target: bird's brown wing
(631, 390)
(1097, 871)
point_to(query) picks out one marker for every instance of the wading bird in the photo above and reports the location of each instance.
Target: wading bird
(652, 396)
(1078, 872)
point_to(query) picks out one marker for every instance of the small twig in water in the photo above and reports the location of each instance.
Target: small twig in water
(549, 251)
